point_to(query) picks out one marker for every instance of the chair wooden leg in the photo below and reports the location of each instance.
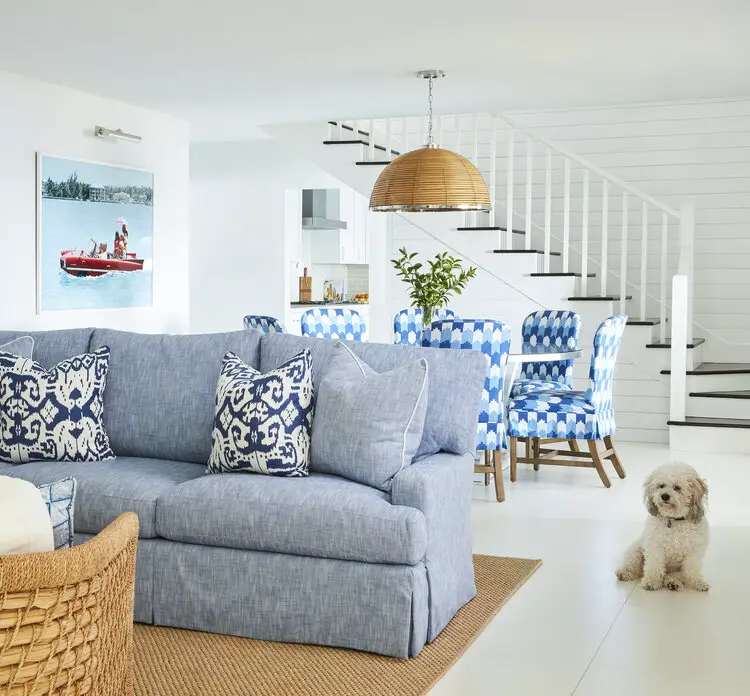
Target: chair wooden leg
(598, 463)
(573, 444)
(513, 458)
(497, 457)
(487, 463)
(614, 457)
(536, 451)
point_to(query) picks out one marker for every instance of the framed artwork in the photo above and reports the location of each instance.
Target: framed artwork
(94, 235)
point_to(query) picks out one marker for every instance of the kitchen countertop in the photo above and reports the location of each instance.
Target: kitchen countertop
(327, 304)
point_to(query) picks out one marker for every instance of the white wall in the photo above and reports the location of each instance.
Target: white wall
(694, 152)
(39, 117)
(237, 238)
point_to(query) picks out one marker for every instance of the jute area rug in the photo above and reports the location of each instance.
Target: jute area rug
(173, 662)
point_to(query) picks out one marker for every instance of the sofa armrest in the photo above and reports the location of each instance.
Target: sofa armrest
(440, 486)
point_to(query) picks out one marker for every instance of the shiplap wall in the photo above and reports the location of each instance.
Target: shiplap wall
(693, 152)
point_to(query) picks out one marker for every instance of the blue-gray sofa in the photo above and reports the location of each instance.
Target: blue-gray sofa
(319, 559)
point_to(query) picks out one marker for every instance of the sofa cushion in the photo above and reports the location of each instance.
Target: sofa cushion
(456, 380)
(104, 490)
(320, 515)
(55, 414)
(52, 347)
(161, 390)
(263, 421)
(368, 425)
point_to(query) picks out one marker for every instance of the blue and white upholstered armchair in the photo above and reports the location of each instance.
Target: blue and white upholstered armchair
(573, 415)
(554, 328)
(493, 339)
(407, 325)
(263, 323)
(346, 324)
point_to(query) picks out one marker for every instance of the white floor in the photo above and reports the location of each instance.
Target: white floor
(573, 628)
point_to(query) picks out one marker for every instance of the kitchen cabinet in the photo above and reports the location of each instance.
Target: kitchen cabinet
(344, 246)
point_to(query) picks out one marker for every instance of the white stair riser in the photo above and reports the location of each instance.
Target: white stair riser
(717, 382)
(718, 408)
(699, 439)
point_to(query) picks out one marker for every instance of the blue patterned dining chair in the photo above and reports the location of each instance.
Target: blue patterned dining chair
(573, 415)
(263, 323)
(324, 322)
(407, 325)
(553, 328)
(493, 339)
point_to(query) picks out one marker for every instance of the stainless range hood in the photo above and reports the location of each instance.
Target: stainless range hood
(321, 210)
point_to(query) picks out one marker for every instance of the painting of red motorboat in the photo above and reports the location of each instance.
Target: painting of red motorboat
(81, 264)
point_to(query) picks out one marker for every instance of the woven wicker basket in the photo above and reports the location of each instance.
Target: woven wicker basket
(66, 617)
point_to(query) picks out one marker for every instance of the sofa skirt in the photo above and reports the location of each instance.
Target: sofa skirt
(294, 599)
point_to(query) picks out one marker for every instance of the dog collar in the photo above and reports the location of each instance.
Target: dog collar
(674, 519)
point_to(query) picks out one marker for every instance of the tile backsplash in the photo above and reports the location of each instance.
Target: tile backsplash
(356, 277)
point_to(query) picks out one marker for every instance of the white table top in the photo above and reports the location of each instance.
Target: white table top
(538, 354)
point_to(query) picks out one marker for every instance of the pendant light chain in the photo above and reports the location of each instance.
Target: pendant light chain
(429, 118)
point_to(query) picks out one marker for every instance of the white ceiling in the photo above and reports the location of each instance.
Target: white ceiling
(228, 64)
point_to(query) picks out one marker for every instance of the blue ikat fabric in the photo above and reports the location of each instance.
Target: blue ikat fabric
(263, 422)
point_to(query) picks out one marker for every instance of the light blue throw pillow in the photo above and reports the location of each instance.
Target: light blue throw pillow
(263, 421)
(56, 414)
(368, 425)
(59, 497)
(23, 347)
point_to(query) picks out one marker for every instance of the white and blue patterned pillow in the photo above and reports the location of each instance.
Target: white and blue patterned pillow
(263, 421)
(56, 414)
(59, 497)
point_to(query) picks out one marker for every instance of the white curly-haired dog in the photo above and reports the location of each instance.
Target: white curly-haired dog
(670, 550)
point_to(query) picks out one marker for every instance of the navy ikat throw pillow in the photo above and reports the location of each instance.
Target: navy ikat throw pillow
(263, 421)
(56, 414)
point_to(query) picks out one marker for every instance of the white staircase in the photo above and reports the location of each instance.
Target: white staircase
(562, 234)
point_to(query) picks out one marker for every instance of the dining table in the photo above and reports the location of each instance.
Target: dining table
(539, 353)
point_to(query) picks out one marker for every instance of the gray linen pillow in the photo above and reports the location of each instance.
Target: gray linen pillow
(22, 347)
(368, 425)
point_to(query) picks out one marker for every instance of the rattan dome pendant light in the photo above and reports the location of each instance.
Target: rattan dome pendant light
(430, 179)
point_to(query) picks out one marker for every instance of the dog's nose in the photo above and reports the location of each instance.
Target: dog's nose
(665, 497)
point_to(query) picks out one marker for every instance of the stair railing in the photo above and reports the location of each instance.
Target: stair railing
(512, 179)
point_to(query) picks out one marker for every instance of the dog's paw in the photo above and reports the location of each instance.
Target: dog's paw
(674, 584)
(651, 584)
(701, 586)
(626, 575)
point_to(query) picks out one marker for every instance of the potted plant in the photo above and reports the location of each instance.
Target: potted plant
(433, 285)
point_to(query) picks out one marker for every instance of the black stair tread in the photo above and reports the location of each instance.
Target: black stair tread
(703, 422)
(561, 275)
(487, 229)
(349, 128)
(606, 298)
(357, 142)
(643, 322)
(735, 394)
(694, 343)
(383, 163)
(523, 251)
(712, 368)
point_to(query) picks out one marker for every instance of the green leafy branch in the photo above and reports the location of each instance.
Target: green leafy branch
(434, 285)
